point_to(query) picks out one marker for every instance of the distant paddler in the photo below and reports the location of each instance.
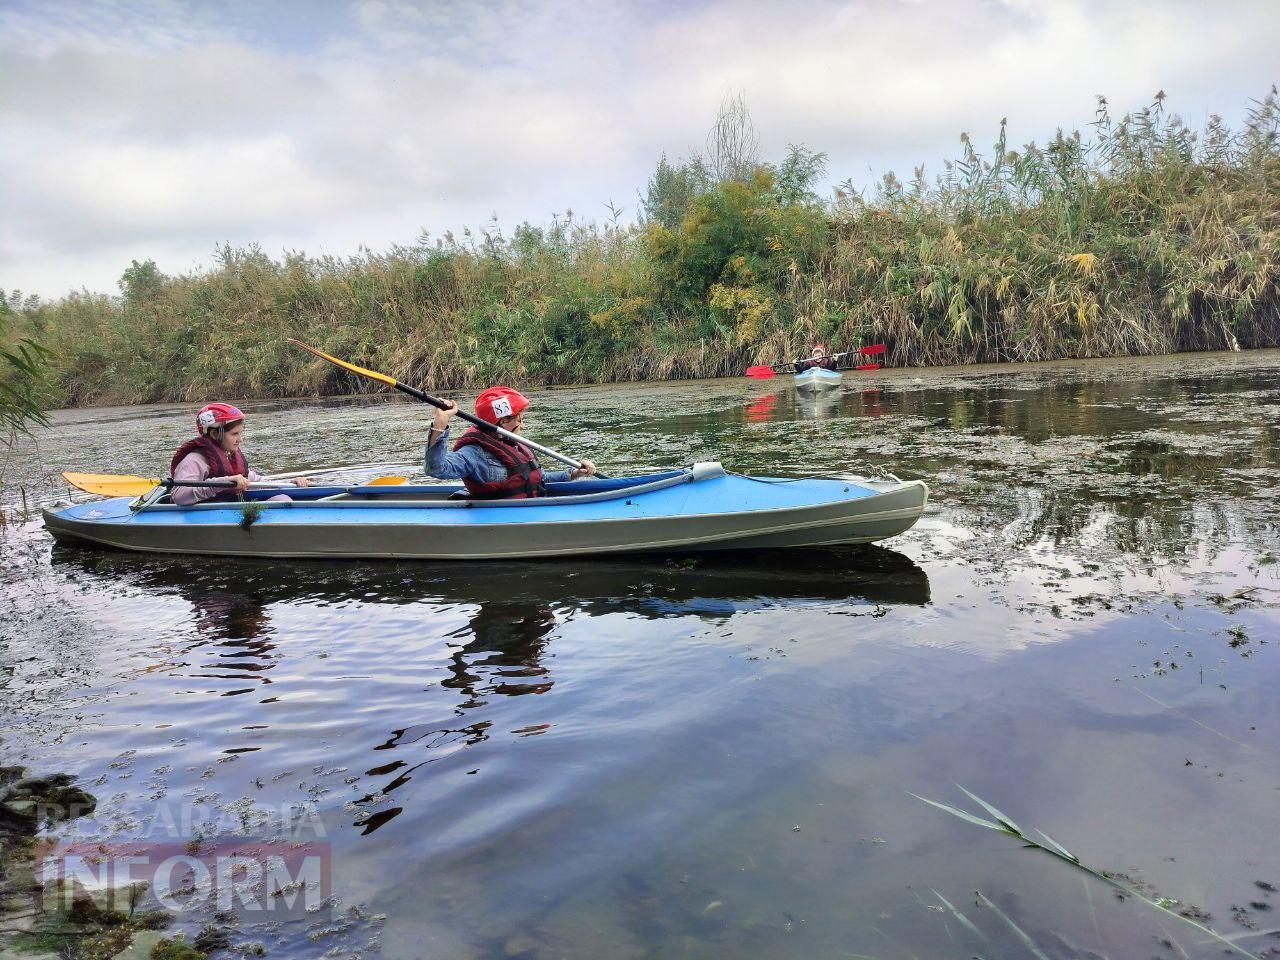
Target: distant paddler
(493, 467)
(818, 358)
(213, 454)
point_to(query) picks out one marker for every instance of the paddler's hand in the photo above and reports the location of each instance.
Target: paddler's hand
(440, 422)
(585, 469)
(301, 482)
(241, 482)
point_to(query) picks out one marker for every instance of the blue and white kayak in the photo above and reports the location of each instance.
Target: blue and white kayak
(697, 508)
(816, 378)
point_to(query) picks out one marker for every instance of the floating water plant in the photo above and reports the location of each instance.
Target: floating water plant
(249, 514)
(1004, 824)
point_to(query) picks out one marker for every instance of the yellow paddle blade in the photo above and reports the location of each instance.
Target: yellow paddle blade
(110, 484)
(118, 485)
(371, 374)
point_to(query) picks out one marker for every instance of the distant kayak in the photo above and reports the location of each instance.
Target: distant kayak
(816, 378)
(694, 509)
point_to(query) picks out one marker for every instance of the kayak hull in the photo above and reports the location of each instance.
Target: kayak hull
(679, 512)
(816, 378)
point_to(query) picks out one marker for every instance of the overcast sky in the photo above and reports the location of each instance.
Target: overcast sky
(162, 128)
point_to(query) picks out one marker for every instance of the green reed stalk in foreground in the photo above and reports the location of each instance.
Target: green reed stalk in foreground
(1004, 824)
(23, 392)
(1145, 237)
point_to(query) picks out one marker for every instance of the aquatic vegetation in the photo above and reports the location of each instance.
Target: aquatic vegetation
(1002, 823)
(23, 364)
(1146, 237)
(250, 511)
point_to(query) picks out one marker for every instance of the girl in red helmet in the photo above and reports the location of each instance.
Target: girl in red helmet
(492, 467)
(215, 453)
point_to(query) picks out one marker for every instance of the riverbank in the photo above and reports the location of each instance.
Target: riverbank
(1149, 238)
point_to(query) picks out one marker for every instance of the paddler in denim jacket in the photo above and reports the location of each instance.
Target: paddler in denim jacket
(491, 466)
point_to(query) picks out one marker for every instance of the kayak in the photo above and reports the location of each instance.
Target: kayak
(816, 378)
(693, 509)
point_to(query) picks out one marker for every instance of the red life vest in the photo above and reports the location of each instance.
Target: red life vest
(524, 476)
(221, 464)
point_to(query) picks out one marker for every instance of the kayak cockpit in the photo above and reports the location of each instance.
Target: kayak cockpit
(455, 495)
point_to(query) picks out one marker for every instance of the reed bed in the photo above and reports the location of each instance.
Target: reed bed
(1143, 237)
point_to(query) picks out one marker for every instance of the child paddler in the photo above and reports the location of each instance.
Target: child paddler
(492, 467)
(214, 453)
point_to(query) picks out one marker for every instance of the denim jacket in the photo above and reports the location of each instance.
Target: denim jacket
(472, 461)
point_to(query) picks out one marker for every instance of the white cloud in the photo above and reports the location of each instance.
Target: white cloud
(166, 128)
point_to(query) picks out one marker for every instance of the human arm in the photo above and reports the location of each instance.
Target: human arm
(194, 467)
(445, 464)
(256, 477)
(438, 462)
(587, 469)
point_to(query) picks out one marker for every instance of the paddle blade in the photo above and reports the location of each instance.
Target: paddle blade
(361, 371)
(110, 484)
(386, 481)
(867, 366)
(872, 350)
(761, 373)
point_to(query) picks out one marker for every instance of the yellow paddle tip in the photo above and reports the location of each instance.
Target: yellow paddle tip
(110, 484)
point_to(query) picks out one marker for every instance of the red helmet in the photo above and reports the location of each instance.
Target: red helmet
(216, 415)
(498, 402)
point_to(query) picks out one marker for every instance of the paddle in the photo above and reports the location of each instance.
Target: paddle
(440, 404)
(765, 372)
(117, 485)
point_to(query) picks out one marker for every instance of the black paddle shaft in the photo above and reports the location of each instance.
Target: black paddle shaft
(443, 405)
(167, 482)
(830, 356)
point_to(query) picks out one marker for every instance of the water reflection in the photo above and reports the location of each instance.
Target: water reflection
(501, 652)
(233, 627)
(231, 598)
(819, 404)
(509, 614)
(761, 409)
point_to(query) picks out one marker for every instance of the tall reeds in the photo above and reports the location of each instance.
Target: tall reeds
(1144, 237)
(23, 385)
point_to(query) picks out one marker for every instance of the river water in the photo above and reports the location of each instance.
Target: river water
(715, 757)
